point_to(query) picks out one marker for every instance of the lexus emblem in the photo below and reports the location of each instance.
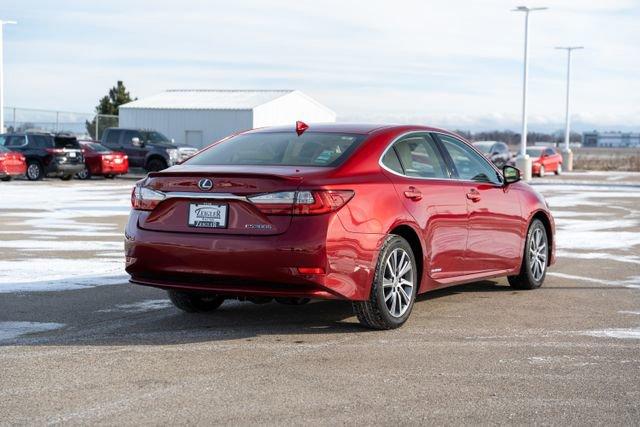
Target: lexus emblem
(205, 184)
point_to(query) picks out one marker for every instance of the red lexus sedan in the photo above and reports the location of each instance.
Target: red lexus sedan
(12, 164)
(371, 214)
(545, 159)
(101, 161)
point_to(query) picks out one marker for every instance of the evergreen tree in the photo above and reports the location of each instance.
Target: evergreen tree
(109, 105)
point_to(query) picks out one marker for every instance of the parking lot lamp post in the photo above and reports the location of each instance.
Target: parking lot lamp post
(567, 155)
(523, 162)
(2, 24)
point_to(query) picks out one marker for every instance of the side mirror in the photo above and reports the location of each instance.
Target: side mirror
(135, 141)
(510, 174)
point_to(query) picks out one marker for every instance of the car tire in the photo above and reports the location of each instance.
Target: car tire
(194, 302)
(391, 300)
(5, 178)
(536, 252)
(155, 165)
(293, 301)
(35, 171)
(84, 174)
(559, 169)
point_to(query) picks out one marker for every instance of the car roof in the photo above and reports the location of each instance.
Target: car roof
(354, 128)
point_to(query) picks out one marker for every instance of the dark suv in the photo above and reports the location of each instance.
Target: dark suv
(47, 154)
(146, 148)
(496, 151)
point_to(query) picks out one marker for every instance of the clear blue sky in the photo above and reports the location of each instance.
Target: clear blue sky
(449, 63)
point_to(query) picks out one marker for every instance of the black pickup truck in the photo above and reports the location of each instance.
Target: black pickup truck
(146, 148)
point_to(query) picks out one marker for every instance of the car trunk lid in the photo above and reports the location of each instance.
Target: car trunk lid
(223, 193)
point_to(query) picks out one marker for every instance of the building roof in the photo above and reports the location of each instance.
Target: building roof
(207, 99)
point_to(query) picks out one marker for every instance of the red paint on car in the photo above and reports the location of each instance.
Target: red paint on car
(101, 161)
(12, 164)
(268, 213)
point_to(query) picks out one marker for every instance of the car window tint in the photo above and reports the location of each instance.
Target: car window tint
(419, 157)
(113, 137)
(153, 136)
(40, 141)
(129, 135)
(280, 149)
(15, 141)
(391, 161)
(469, 165)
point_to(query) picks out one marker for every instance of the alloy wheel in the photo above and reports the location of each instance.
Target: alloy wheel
(398, 282)
(33, 171)
(537, 254)
(83, 174)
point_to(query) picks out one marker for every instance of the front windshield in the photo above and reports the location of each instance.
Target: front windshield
(280, 149)
(534, 152)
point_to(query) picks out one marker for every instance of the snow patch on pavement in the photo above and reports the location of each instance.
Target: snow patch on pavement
(11, 330)
(620, 333)
(140, 307)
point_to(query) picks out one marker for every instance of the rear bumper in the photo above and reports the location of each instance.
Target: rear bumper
(256, 265)
(64, 169)
(12, 170)
(112, 170)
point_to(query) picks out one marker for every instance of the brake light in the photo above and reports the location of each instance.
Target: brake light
(145, 199)
(313, 202)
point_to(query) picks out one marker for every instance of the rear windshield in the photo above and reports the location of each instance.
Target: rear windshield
(66, 142)
(280, 149)
(534, 152)
(94, 146)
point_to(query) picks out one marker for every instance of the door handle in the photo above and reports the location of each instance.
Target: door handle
(413, 193)
(473, 195)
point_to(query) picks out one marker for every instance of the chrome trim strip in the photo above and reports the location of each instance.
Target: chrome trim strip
(209, 196)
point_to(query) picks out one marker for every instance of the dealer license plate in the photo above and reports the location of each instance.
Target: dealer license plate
(204, 215)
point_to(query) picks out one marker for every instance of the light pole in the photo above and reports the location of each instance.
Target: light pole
(2, 24)
(567, 155)
(523, 162)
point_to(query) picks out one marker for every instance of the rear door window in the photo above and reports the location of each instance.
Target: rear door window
(420, 157)
(16, 141)
(280, 149)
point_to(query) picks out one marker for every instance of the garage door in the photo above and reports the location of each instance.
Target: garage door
(193, 138)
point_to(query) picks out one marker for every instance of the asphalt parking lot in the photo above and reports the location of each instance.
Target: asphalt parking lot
(79, 345)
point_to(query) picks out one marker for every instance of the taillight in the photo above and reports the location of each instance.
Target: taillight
(313, 202)
(145, 199)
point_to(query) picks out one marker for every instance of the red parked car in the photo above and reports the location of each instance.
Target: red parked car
(12, 164)
(545, 159)
(370, 214)
(99, 160)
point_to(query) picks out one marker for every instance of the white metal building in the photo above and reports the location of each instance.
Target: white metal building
(200, 117)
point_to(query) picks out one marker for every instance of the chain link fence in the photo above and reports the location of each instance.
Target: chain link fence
(83, 125)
